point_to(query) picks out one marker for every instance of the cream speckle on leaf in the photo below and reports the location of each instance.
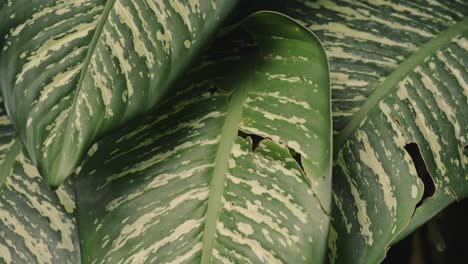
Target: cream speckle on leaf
(101, 64)
(234, 187)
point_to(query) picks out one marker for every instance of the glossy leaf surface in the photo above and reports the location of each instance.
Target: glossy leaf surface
(399, 86)
(36, 224)
(233, 168)
(73, 70)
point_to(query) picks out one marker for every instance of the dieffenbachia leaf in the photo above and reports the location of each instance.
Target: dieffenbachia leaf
(75, 69)
(366, 40)
(399, 81)
(234, 169)
(425, 102)
(36, 224)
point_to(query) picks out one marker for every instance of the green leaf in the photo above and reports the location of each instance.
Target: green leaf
(74, 70)
(424, 102)
(36, 224)
(398, 76)
(365, 40)
(234, 168)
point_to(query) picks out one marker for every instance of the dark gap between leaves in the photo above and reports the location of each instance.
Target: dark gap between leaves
(421, 170)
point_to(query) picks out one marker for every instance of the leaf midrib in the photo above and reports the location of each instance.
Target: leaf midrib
(91, 48)
(382, 89)
(228, 135)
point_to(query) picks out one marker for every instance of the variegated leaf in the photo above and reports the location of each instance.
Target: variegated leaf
(36, 224)
(424, 103)
(399, 81)
(366, 40)
(75, 69)
(232, 169)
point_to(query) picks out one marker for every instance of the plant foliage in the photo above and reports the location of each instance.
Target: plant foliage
(224, 154)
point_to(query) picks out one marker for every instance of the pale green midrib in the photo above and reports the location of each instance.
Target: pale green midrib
(9, 160)
(91, 48)
(228, 135)
(389, 84)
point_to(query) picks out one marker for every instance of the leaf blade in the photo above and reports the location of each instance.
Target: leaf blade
(419, 109)
(36, 224)
(173, 166)
(104, 64)
(373, 46)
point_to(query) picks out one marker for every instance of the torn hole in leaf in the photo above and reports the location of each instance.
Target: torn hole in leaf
(294, 156)
(256, 139)
(421, 170)
(297, 157)
(280, 152)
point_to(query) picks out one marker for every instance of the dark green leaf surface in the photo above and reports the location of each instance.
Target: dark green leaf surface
(398, 76)
(36, 224)
(211, 177)
(366, 40)
(426, 106)
(73, 70)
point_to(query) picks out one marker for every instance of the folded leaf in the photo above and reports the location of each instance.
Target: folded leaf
(36, 224)
(235, 168)
(366, 40)
(399, 84)
(73, 70)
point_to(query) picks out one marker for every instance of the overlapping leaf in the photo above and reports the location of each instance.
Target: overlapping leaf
(418, 95)
(366, 40)
(411, 58)
(72, 70)
(234, 168)
(36, 224)
(427, 107)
